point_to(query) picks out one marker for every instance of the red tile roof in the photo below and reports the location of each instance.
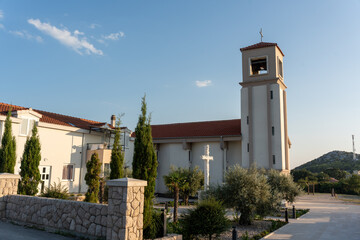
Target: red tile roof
(54, 118)
(198, 129)
(261, 45)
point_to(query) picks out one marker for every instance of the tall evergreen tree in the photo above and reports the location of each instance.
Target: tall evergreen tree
(29, 170)
(117, 156)
(8, 148)
(144, 161)
(92, 178)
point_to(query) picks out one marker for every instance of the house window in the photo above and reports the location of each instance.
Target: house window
(280, 68)
(273, 159)
(107, 169)
(26, 126)
(68, 172)
(273, 130)
(271, 95)
(248, 147)
(258, 66)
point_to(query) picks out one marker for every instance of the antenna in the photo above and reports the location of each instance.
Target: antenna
(353, 141)
(261, 35)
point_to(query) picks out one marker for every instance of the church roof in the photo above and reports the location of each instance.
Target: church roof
(54, 118)
(198, 129)
(261, 45)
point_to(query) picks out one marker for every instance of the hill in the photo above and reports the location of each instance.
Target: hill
(335, 159)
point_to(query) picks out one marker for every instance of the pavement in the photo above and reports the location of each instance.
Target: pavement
(328, 219)
(9, 231)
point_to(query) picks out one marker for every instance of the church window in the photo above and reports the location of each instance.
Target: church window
(258, 66)
(68, 172)
(189, 156)
(271, 95)
(273, 159)
(280, 68)
(273, 130)
(248, 147)
(247, 120)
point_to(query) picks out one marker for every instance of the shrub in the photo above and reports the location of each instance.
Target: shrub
(248, 192)
(155, 229)
(206, 220)
(56, 191)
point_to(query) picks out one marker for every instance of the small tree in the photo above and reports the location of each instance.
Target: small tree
(8, 148)
(247, 191)
(117, 156)
(29, 170)
(195, 181)
(144, 161)
(207, 219)
(283, 185)
(175, 181)
(92, 178)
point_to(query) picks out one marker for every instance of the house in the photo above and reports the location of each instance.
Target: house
(66, 143)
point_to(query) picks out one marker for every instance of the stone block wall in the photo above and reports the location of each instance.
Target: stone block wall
(126, 207)
(121, 219)
(86, 219)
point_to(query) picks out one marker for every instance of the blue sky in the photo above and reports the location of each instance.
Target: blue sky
(92, 59)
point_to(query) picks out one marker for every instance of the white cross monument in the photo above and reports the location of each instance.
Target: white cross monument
(206, 159)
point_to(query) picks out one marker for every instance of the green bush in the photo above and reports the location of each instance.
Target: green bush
(56, 191)
(155, 228)
(207, 219)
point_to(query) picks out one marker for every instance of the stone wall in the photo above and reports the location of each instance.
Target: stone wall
(121, 219)
(70, 216)
(8, 184)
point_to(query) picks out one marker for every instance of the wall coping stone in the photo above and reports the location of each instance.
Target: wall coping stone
(9, 175)
(126, 182)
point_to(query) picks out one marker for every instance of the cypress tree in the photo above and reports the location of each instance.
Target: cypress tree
(144, 162)
(92, 178)
(29, 170)
(117, 156)
(8, 148)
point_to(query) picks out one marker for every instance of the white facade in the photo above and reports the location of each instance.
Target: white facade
(63, 148)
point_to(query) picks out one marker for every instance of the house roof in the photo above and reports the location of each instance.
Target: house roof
(261, 45)
(198, 129)
(54, 118)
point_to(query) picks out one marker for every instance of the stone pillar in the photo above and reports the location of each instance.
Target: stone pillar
(125, 209)
(8, 186)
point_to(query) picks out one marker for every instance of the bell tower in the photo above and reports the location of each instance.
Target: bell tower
(265, 139)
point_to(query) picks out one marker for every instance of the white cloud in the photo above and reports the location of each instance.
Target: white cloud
(1, 14)
(94, 25)
(76, 32)
(65, 37)
(114, 36)
(205, 83)
(24, 34)
(2, 26)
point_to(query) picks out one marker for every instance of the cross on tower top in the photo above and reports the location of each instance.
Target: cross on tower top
(261, 35)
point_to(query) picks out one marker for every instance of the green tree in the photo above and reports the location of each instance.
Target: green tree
(335, 173)
(144, 161)
(248, 192)
(117, 156)
(29, 170)
(283, 185)
(92, 178)
(195, 181)
(207, 219)
(8, 148)
(176, 181)
(301, 174)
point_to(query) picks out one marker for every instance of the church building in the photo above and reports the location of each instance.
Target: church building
(260, 137)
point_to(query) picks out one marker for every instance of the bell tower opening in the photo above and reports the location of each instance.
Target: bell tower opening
(258, 65)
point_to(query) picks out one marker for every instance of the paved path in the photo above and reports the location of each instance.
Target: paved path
(328, 219)
(10, 231)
